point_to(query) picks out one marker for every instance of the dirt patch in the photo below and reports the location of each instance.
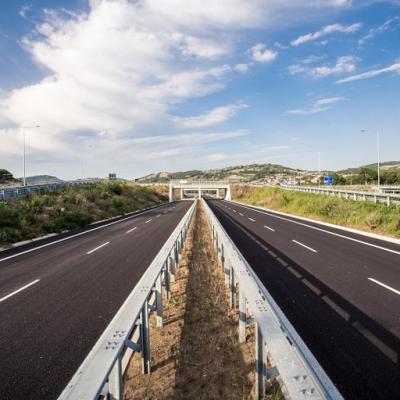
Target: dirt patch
(197, 354)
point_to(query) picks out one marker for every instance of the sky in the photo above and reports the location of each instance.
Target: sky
(140, 86)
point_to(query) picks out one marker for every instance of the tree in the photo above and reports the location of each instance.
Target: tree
(367, 175)
(6, 176)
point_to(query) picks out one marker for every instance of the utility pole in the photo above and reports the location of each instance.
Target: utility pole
(24, 146)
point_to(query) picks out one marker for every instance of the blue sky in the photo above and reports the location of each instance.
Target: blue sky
(135, 87)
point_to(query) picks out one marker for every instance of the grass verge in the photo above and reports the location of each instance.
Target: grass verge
(71, 207)
(368, 216)
(196, 355)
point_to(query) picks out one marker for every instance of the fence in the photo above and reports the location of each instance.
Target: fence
(102, 371)
(280, 352)
(7, 193)
(386, 198)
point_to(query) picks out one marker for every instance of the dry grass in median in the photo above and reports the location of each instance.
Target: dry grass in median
(197, 354)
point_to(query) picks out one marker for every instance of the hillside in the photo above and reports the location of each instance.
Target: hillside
(41, 179)
(6, 177)
(388, 165)
(240, 173)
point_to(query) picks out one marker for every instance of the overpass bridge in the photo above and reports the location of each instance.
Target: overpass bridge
(222, 189)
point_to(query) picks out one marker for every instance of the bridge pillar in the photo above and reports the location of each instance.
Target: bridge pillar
(228, 193)
(171, 193)
(199, 193)
(181, 194)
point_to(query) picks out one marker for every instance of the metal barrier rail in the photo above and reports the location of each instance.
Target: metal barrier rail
(386, 198)
(7, 193)
(101, 372)
(300, 375)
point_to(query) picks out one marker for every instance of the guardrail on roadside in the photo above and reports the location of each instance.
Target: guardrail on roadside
(102, 371)
(280, 352)
(7, 193)
(386, 198)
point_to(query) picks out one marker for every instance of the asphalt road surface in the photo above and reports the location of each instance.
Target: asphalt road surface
(57, 298)
(340, 290)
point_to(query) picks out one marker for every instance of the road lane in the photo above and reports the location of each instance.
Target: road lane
(47, 330)
(351, 324)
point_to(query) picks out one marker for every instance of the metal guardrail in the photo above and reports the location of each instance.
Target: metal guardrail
(280, 352)
(7, 193)
(102, 371)
(386, 198)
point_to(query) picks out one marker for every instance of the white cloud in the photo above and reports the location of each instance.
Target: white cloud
(23, 11)
(343, 64)
(326, 30)
(216, 116)
(371, 74)
(380, 29)
(123, 67)
(261, 54)
(317, 107)
(242, 68)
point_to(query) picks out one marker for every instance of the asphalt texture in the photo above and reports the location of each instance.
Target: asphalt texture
(56, 300)
(340, 290)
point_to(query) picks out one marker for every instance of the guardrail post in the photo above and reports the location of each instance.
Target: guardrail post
(145, 338)
(172, 266)
(242, 316)
(167, 280)
(232, 291)
(159, 302)
(388, 200)
(115, 381)
(260, 364)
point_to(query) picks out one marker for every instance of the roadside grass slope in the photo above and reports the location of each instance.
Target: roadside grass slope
(367, 216)
(72, 207)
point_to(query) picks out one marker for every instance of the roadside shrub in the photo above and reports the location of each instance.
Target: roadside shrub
(9, 235)
(118, 204)
(373, 220)
(116, 188)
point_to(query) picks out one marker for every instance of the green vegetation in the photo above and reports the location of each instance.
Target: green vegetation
(6, 177)
(72, 207)
(368, 216)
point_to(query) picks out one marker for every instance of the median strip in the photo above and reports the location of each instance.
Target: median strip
(197, 353)
(19, 290)
(97, 248)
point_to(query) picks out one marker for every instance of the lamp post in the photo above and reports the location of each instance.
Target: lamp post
(378, 155)
(24, 145)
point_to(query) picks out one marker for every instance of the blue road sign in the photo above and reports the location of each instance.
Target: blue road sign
(328, 180)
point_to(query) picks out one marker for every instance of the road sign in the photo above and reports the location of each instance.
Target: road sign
(328, 180)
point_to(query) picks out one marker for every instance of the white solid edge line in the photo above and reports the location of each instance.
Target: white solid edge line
(323, 230)
(19, 290)
(252, 220)
(268, 227)
(97, 248)
(78, 234)
(149, 220)
(385, 286)
(131, 230)
(307, 247)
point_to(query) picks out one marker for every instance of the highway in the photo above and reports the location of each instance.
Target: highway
(340, 290)
(58, 296)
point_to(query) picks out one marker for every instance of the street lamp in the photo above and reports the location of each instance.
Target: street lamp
(378, 154)
(23, 139)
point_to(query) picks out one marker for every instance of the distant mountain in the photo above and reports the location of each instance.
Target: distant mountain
(41, 179)
(388, 165)
(239, 173)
